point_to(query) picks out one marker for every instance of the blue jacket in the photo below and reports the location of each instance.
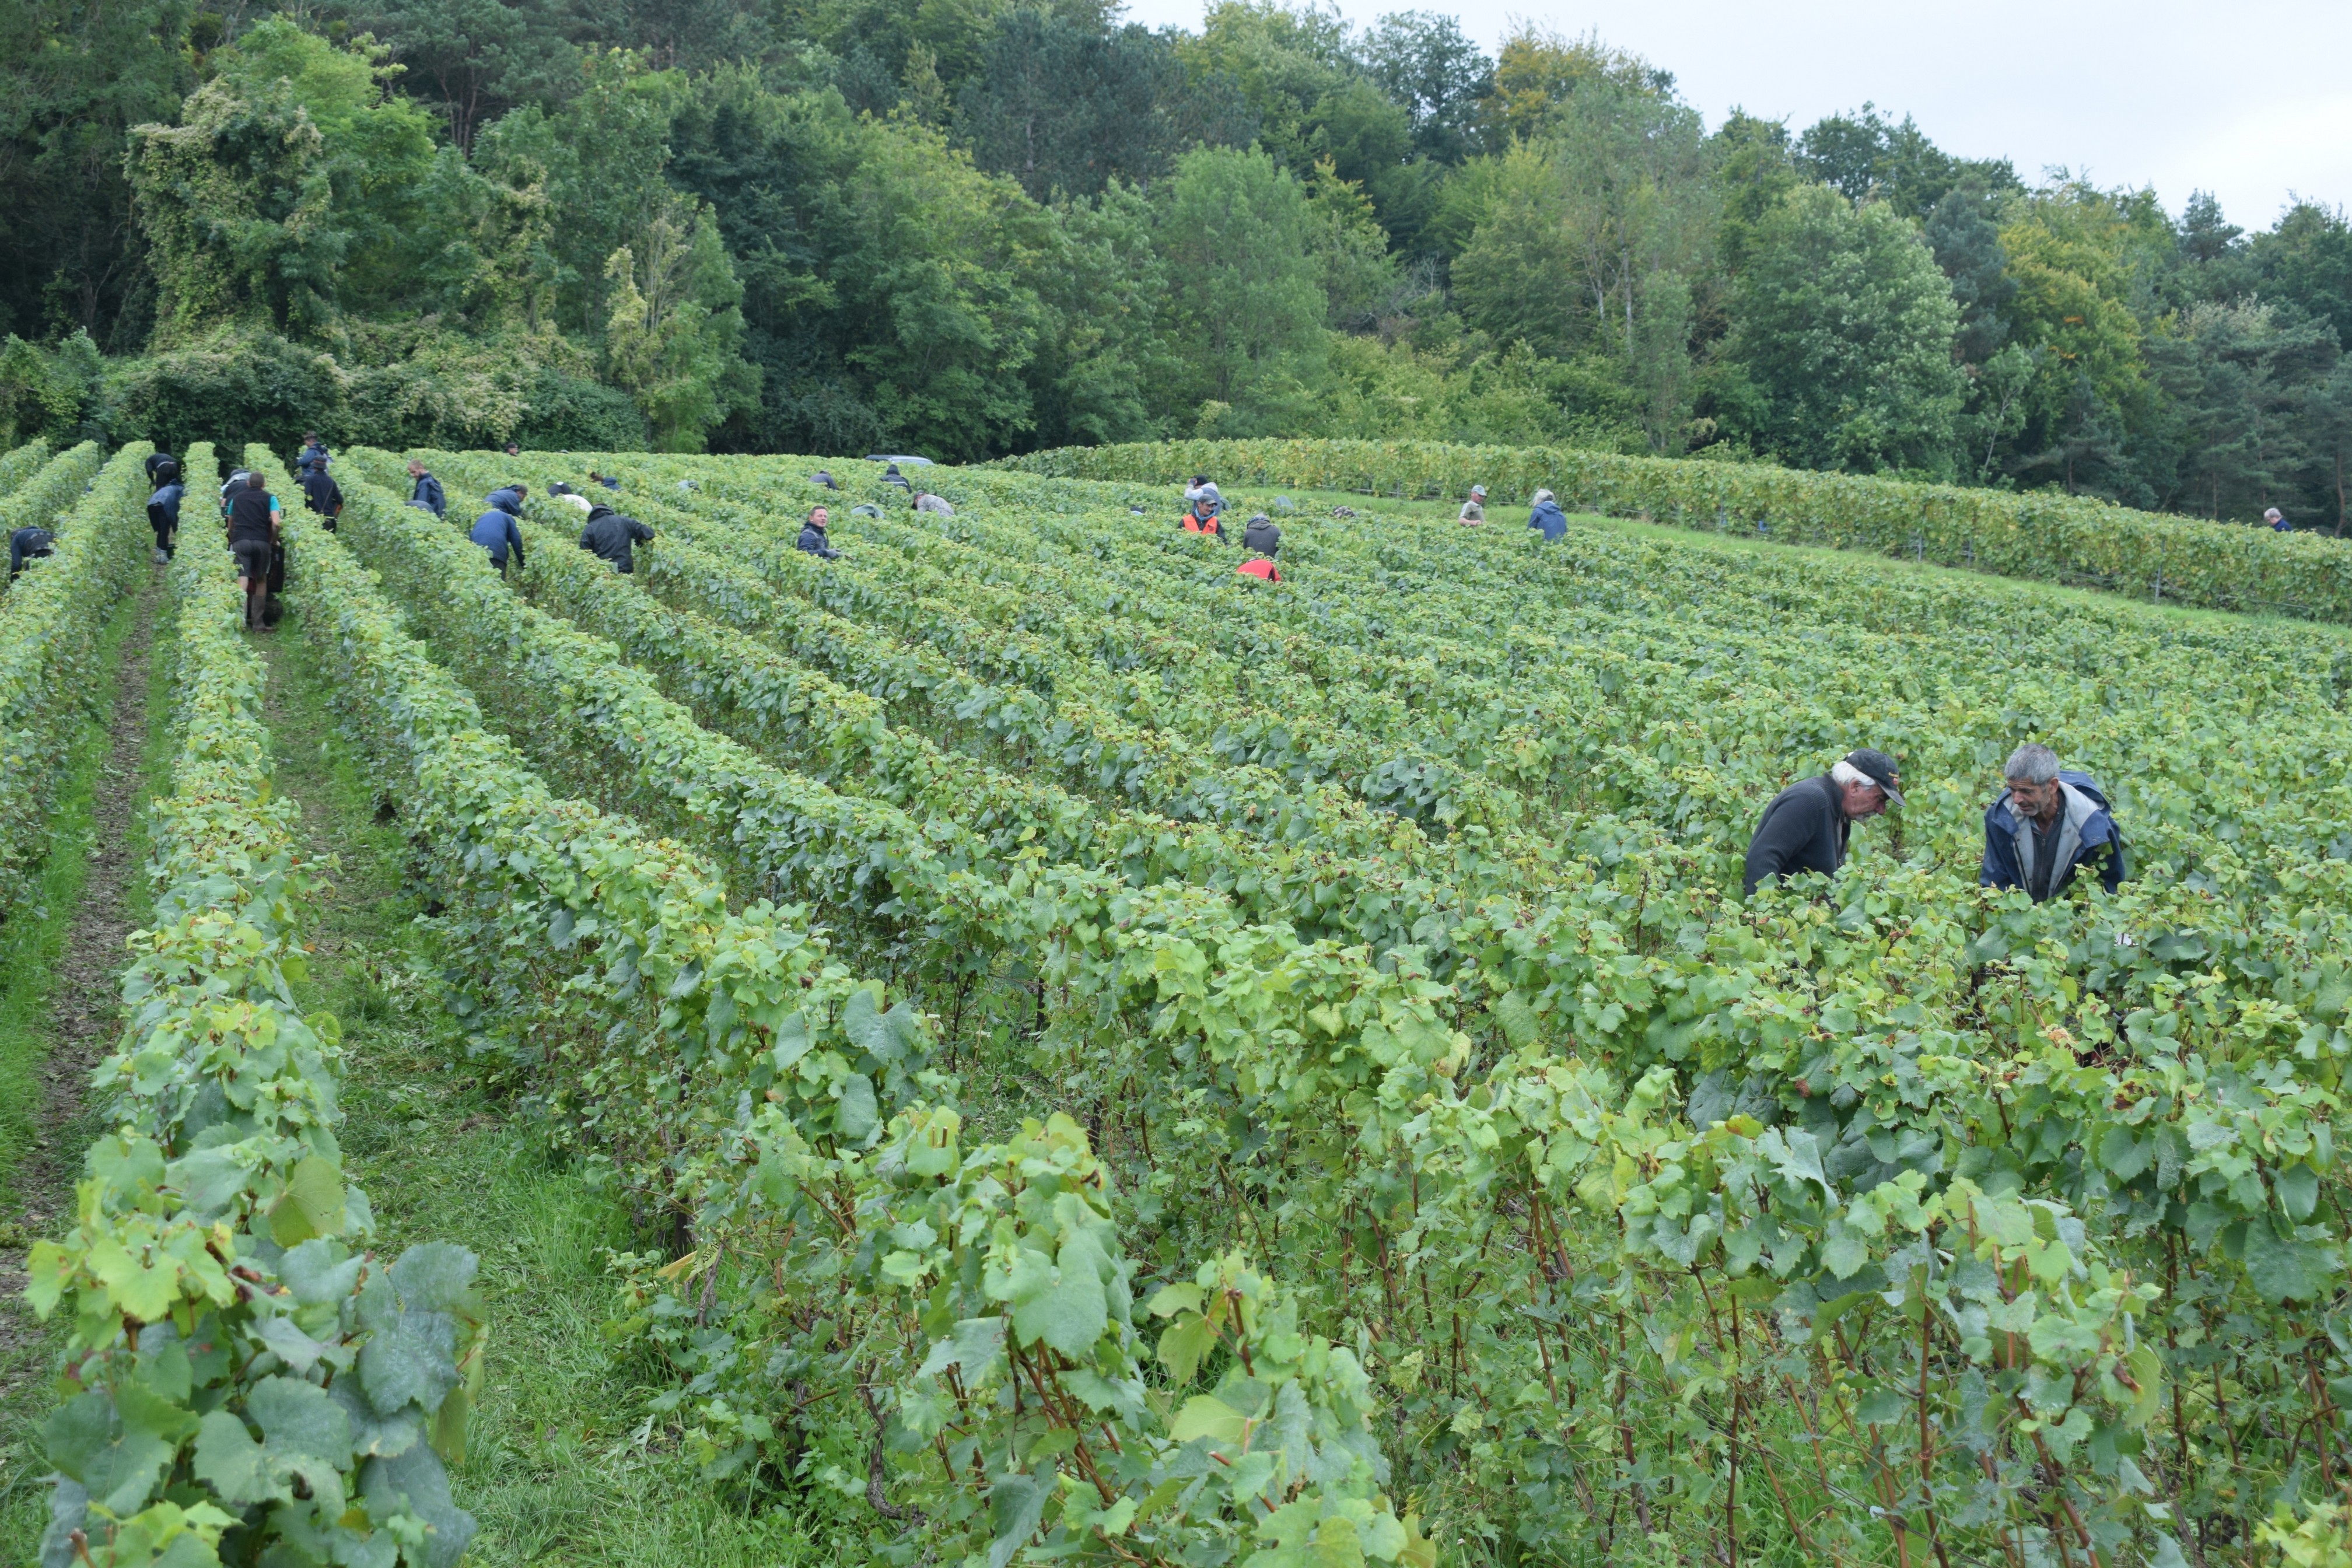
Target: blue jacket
(504, 501)
(303, 463)
(1547, 516)
(2087, 832)
(165, 502)
(429, 490)
(812, 540)
(495, 532)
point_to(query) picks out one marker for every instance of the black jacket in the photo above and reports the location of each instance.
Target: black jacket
(609, 536)
(322, 495)
(1262, 536)
(1804, 829)
(155, 460)
(25, 543)
(812, 541)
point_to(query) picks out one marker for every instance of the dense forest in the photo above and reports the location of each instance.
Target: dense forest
(966, 227)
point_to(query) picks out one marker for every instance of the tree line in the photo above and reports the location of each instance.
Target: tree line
(971, 228)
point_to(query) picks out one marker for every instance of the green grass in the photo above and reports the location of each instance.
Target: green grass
(34, 936)
(30, 946)
(564, 1467)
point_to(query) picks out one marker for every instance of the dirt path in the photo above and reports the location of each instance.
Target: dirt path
(85, 996)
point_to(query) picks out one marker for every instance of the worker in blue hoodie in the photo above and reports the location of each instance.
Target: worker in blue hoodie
(2046, 826)
(1546, 516)
(495, 529)
(163, 512)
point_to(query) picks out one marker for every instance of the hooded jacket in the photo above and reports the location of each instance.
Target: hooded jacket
(1546, 515)
(504, 500)
(1262, 536)
(2087, 832)
(812, 540)
(609, 536)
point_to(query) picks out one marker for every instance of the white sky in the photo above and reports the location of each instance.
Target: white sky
(2248, 98)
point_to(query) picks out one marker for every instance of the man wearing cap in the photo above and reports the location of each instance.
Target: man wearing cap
(1806, 827)
(1475, 508)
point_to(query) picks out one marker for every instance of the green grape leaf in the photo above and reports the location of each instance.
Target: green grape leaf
(411, 1360)
(313, 1204)
(1015, 1503)
(418, 1479)
(433, 1277)
(1063, 1306)
(1183, 1344)
(2283, 1269)
(2298, 1191)
(1517, 1019)
(857, 1117)
(1206, 1416)
(315, 1273)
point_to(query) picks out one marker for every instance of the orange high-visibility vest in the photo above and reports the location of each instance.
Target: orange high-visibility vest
(1194, 523)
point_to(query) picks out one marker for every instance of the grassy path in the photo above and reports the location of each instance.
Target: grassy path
(564, 1466)
(62, 960)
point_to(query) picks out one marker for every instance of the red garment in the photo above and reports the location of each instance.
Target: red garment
(1260, 568)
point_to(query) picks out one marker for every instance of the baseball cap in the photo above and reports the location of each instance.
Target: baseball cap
(1477, 489)
(1881, 769)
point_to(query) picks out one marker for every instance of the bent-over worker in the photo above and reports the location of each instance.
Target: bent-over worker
(610, 535)
(1806, 827)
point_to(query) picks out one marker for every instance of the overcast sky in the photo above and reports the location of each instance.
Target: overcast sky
(2249, 99)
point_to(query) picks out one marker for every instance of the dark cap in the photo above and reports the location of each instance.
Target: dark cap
(1881, 769)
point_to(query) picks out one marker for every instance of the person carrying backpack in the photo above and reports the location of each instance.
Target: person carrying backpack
(609, 536)
(321, 494)
(163, 512)
(255, 521)
(2046, 825)
(424, 491)
(495, 529)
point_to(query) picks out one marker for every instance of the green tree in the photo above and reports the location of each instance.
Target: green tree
(1423, 62)
(1245, 304)
(1866, 158)
(1060, 106)
(675, 328)
(475, 59)
(2079, 257)
(289, 189)
(2238, 376)
(1843, 324)
(74, 77)
(1596, 225)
